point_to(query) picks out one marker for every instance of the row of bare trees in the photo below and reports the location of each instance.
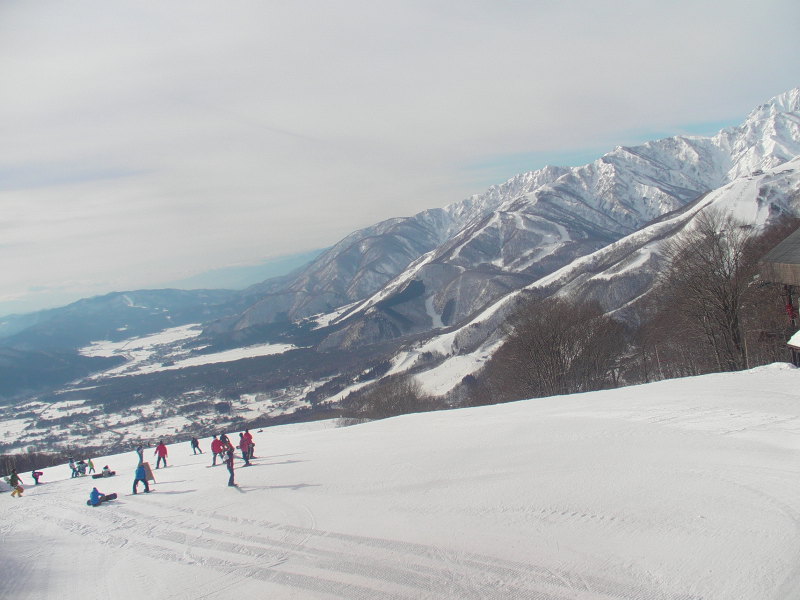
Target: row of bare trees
(711, 310)
(392, 396)
(555, 346)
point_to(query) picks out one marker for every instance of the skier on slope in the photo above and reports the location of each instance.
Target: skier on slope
(229, 463)
(249, 437)
(161, 452)
(217, 448)
(244, 446)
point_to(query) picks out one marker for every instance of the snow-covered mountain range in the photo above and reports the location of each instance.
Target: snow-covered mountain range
(464, 257)
(439, 283)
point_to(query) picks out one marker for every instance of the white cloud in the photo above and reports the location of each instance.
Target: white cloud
(145, 141)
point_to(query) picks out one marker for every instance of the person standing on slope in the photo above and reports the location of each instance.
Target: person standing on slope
(244, 446)
(195, 445)
(141, 475)
(161, 452)
(217, 448)
(229, 463)
(249, 437)
(91, 466)
(15, 482)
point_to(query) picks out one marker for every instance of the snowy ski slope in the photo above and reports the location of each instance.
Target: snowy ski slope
(683, 489)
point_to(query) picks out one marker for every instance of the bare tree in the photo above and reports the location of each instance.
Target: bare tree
(556, 347)
(706, 281)
(396, 395)
(712, 311)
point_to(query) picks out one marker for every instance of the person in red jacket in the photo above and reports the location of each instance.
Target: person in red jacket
(249, 437)
(244, 446)
(161, 452)
(216, 450)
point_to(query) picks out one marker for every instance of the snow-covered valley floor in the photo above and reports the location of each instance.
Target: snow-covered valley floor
(683, 489)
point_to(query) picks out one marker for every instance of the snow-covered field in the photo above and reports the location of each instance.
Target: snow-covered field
(684, 489)
(165, 351)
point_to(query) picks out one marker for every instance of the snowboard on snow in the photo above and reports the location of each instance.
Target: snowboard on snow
(105, 498)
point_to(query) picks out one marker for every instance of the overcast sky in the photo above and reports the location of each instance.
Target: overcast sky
(146, 142)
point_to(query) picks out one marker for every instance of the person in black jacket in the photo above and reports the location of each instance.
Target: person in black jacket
(229, 463)
(15, 482)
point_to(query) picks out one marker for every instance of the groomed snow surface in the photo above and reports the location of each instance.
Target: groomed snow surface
(683, 489)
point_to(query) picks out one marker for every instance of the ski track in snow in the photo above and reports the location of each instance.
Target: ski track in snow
(323, 561)
(682, 490)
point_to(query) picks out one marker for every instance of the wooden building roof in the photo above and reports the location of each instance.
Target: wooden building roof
(782, 263)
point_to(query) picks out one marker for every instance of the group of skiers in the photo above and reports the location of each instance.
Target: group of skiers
(221, 447)
(81, 468)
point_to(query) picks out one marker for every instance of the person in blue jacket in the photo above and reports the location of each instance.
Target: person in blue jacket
(141, 475)
(96, 497)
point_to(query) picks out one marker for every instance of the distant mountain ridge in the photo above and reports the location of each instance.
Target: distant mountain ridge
(469, 254)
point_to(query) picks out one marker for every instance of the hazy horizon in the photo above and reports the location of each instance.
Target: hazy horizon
(149, 143)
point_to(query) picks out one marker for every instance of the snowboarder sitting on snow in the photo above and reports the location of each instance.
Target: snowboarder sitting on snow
(106, 472)
(141, 475)
(96, 497)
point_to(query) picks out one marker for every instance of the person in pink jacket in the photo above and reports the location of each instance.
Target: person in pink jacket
(161, 452)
